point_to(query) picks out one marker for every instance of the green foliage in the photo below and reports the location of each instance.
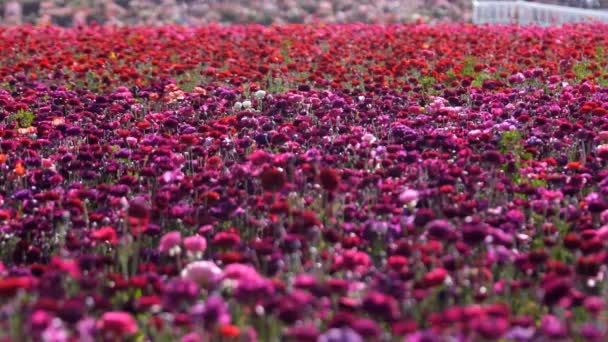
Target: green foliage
(469, 66)
(511, 142)
(479, 78)
(285, 51)
(23, 118)
(427, 81)
(451, 75)
(538, 183)
(600, 54)
(581, 70)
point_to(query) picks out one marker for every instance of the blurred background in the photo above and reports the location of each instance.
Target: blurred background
(200, 12)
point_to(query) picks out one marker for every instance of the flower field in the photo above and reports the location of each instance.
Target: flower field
(295, 183)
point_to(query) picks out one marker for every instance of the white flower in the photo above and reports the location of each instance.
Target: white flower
(246, 104)
(260, 94)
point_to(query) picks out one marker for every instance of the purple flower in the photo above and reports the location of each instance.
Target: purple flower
(520, 333)
(340, 335)
(423, 336)
(214, 312)
(179, 292)
(591, 332)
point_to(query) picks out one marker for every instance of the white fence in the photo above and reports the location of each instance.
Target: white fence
(527, 13)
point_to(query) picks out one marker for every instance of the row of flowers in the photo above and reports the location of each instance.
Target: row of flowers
(354, 183)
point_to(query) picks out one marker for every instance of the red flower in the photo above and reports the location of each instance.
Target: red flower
(139, 216)
(435, 277)
(229, 331)
(105, 234)
(226, 239)
(329, 179)
(588, 266)
(188, 139)
(10, 285)
(397, 262)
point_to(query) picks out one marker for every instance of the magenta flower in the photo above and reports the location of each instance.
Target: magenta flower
(195, 244)
(117, 324)
(169, 243)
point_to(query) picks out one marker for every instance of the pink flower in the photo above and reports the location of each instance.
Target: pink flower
(195, 244)
(191, 337)
(117, 323)
(55, 331)
(409, 196)
(40, 319)
(131, 141)
(241, 272)
(603, 136)
(169, 242)
(205, 273)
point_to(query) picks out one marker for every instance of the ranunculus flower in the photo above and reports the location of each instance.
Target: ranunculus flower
(273, 179)
(10, 285)
(435, 277)
(602, 151)
(138, 216)
(169, 243)
(205, 273)
(409, 197)
(195, 244)
(440, 230)
(118, 324)
(340, 335)
(552, 327)
(329, 179)
(105, 234)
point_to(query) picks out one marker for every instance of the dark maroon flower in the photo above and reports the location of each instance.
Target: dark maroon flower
(226, 239)
(474, 234)
(493, 157)
(273, 179)
(423, 216)
(555, 290)
(329, 179)
(367, 328)
(139, 215)
(588, 266)
(72, 311)
(440, 230)
(491, 328)
(381, 305)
